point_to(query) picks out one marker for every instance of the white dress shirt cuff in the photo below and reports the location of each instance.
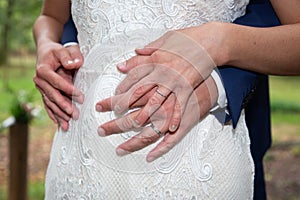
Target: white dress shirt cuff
(68, 44)
(222, 100)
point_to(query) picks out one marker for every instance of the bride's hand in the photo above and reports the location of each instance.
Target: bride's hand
(54, 79)
(198, 106)
(175, 63)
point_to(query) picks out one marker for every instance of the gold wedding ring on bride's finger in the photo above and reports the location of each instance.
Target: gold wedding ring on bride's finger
(161, 93)
(155, 129)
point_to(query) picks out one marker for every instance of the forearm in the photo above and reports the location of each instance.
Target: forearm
(47, 29)
(49, 25)
(272, 50)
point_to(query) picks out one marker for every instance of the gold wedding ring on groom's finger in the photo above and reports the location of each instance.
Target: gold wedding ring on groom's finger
(156, 130)
(43, 95)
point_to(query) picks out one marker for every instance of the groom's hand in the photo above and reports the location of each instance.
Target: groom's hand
(199, 104)
(54, 79)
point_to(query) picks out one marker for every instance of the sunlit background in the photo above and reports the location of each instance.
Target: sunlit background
(17, 64)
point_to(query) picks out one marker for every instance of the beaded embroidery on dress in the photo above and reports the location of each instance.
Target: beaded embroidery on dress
(212, 162)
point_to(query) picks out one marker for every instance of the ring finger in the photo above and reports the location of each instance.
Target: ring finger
(155, 102)
(150, 134)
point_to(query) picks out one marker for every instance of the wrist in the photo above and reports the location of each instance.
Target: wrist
(221, 42)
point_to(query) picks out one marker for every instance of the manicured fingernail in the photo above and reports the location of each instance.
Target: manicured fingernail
(69, 62)
(122, 65)
(98, 108)
(101, 132)
(76, 60)
(173, 128)
(121, 152)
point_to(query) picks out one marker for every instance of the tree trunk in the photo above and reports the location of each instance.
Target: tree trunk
(18, 152)
(4, 48)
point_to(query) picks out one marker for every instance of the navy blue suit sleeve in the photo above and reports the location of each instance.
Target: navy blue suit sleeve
(69, 33)
(239, 83)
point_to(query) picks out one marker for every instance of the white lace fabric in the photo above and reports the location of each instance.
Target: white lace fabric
(212, 162)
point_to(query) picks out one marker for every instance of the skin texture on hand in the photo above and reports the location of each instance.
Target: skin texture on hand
(175, 63)
(199, 104)
(55, 68)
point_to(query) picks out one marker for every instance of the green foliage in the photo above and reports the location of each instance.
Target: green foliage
(35, 191)
(20, 106)
(3, 193)
(285, 106)
(24, 13)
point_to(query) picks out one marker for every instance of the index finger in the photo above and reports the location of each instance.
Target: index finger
(58, 82)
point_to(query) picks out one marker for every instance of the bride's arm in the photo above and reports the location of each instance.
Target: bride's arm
(272, 50)
(53, 81)
(49, 25)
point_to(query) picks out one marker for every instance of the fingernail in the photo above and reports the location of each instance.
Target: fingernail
(139, 48)
(81, 98)
(76, 60)
(121, 152)
(69, 62)
(98, 108)
(75, 114)
(151, 159)
(173, 128)
(68, 110)
(122, 65)
(101, 132)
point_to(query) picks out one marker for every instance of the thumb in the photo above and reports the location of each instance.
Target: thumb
(133, 62)
(76, 56)
(152, 46)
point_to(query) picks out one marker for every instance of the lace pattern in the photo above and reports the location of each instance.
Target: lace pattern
(206, 164)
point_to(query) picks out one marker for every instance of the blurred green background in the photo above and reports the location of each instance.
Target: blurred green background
(17, 64)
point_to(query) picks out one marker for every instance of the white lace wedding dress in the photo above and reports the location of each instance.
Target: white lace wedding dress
(212, 162)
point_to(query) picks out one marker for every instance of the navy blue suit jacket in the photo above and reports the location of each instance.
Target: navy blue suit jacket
(244, 89)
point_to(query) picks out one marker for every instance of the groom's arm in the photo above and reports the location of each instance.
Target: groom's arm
(69, 33)
(240, 84)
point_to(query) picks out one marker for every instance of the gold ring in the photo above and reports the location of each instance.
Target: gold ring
(159, 133)
(161, 94)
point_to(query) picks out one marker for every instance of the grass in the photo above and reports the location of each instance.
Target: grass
(285, 108)
(35, 191)
(284, 93)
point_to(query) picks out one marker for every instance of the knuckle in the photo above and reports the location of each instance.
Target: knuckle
(169, 144)
(133, 74)
(139, 91)
(126, 124)
(155, 57)
(175, 120)
(39, 71)
(177, 108)
(154, 101)
(56, 83)
(51, 97)
(147, 140)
